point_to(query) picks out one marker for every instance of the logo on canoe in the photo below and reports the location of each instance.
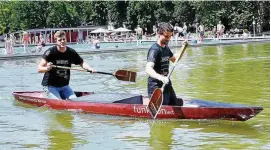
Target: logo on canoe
(142, 110)
(31, 99)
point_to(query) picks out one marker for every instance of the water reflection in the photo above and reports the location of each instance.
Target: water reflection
(161, 135)
(60, 132)
(164, 134)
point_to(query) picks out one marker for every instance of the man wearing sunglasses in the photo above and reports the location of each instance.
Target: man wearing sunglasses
(56, 80)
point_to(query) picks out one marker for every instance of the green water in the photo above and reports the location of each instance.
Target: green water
(235, 74)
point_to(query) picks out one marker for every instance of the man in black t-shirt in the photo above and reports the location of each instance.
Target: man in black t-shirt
(56, 80)
(157, 66)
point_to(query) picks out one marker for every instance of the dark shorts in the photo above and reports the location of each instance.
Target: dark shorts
(139, 37)
(201, 33)
(168, 94)
(181, 34)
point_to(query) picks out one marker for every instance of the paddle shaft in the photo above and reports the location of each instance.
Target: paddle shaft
(174, 64)
(123, 75)
(78, 69)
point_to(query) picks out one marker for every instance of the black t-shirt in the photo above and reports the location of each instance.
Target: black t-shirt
(160, 56)
(59, 77)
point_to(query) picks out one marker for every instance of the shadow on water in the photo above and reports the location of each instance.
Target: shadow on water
(168, 134)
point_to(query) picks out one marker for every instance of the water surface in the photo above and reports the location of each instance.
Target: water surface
(235, 74)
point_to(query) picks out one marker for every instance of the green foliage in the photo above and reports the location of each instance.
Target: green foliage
(183, 12)
(210, 13)
(99, 15)
(117, 12)
(20, 15)
(5, 16)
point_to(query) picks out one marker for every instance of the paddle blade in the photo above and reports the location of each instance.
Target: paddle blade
(155, 103)
(125, 75)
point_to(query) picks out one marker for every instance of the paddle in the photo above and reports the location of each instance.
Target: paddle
(156, 99)
(123, 75)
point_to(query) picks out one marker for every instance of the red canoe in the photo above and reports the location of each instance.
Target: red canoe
(131, 105)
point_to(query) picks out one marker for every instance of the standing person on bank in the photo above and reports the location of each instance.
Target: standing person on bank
(26, 40)
(139, 33)
(56, 80)
(201, 32)
(185, 31)
(220, 30)
(157, 66)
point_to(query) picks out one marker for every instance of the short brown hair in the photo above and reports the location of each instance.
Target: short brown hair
(164, 27)
(60, 33)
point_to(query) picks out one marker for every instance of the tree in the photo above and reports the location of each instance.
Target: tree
(6, 17)
(116, 12)
(183, 12)
(34, 17)
(99, 15)
(20, 15)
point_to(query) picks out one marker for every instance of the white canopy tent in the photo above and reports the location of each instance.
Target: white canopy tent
(121, 30)
(100, 30)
